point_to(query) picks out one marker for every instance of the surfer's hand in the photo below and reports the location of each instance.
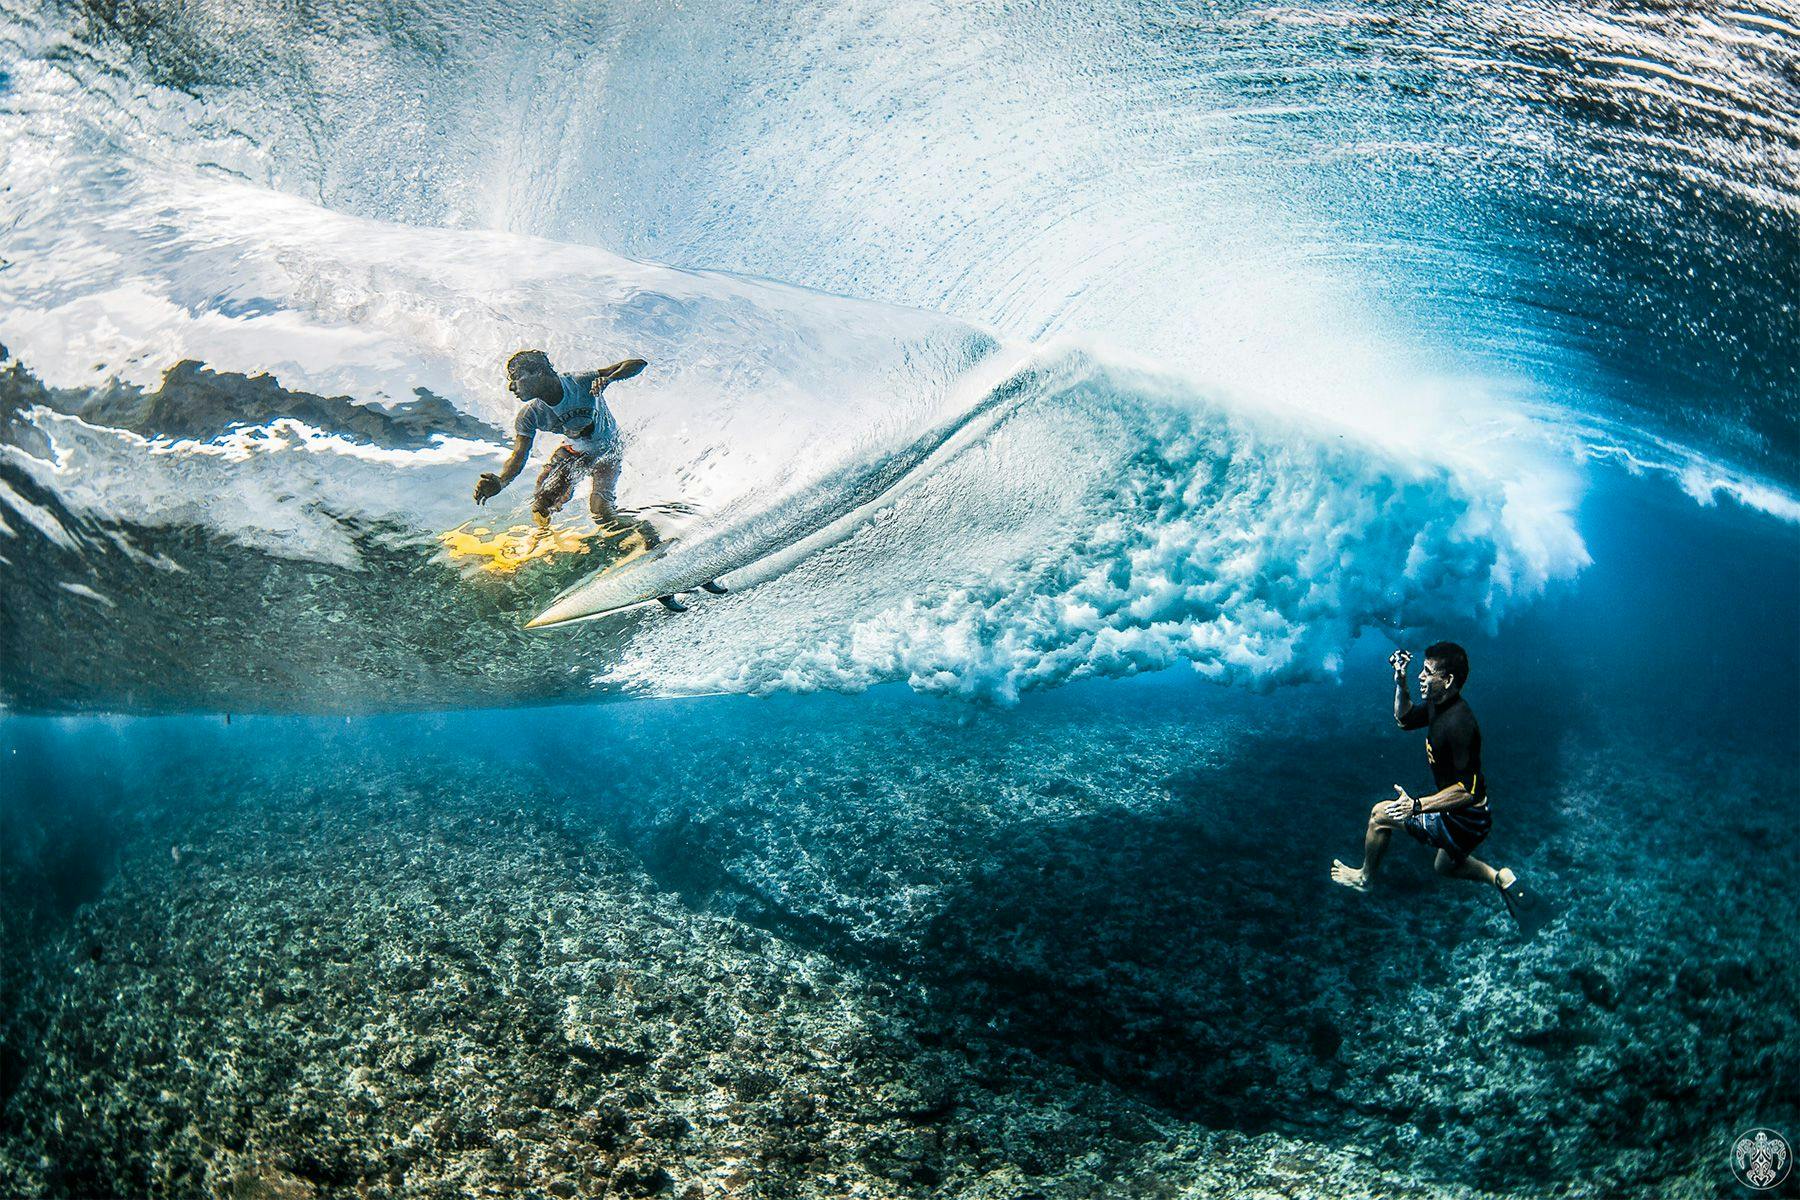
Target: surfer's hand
(1404, 807)
(487, 487)
(1400, 660)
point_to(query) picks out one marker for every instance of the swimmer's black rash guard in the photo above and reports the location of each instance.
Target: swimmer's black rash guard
(1452, 745)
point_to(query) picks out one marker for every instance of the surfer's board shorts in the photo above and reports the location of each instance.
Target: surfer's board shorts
(1456, 832)
(567, 467)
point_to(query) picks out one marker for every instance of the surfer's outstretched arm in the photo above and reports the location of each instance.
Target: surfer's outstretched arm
(623, 369)
(489, 485)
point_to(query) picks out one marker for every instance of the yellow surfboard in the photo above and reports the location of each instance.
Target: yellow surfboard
(503, 551)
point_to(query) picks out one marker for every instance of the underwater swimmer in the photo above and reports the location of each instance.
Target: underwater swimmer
(1455, 818)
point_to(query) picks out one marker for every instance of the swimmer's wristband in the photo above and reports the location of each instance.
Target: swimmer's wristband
(1417, 806)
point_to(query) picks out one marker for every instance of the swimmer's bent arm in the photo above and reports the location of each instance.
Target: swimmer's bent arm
(489, 485)
(1458, 747)
(1454, 796)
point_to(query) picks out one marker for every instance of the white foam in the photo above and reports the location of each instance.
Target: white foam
(1107, 529)
(38, 517)
(284, 488)
(86, 593)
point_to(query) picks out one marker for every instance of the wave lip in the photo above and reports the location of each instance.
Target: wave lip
(1105, 522)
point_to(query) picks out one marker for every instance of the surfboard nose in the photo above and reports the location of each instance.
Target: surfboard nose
(560, 613)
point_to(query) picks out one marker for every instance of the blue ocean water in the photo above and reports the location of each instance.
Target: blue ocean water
(1084, 401)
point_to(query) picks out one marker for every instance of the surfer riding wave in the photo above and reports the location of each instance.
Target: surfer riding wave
(574, 407)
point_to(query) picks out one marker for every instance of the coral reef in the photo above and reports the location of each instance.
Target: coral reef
(1049, 952)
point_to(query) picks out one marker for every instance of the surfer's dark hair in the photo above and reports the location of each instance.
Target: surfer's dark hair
(1452, 657)
(523, 355)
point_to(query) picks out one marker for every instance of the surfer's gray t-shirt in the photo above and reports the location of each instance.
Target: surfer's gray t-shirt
(580, 416)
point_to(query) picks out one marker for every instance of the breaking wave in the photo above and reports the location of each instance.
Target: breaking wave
(1244, 397)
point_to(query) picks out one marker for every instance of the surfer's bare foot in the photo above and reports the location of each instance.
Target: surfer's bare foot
(1350, 877)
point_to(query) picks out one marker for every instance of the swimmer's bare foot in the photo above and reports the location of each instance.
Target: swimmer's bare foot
(1350, 877)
